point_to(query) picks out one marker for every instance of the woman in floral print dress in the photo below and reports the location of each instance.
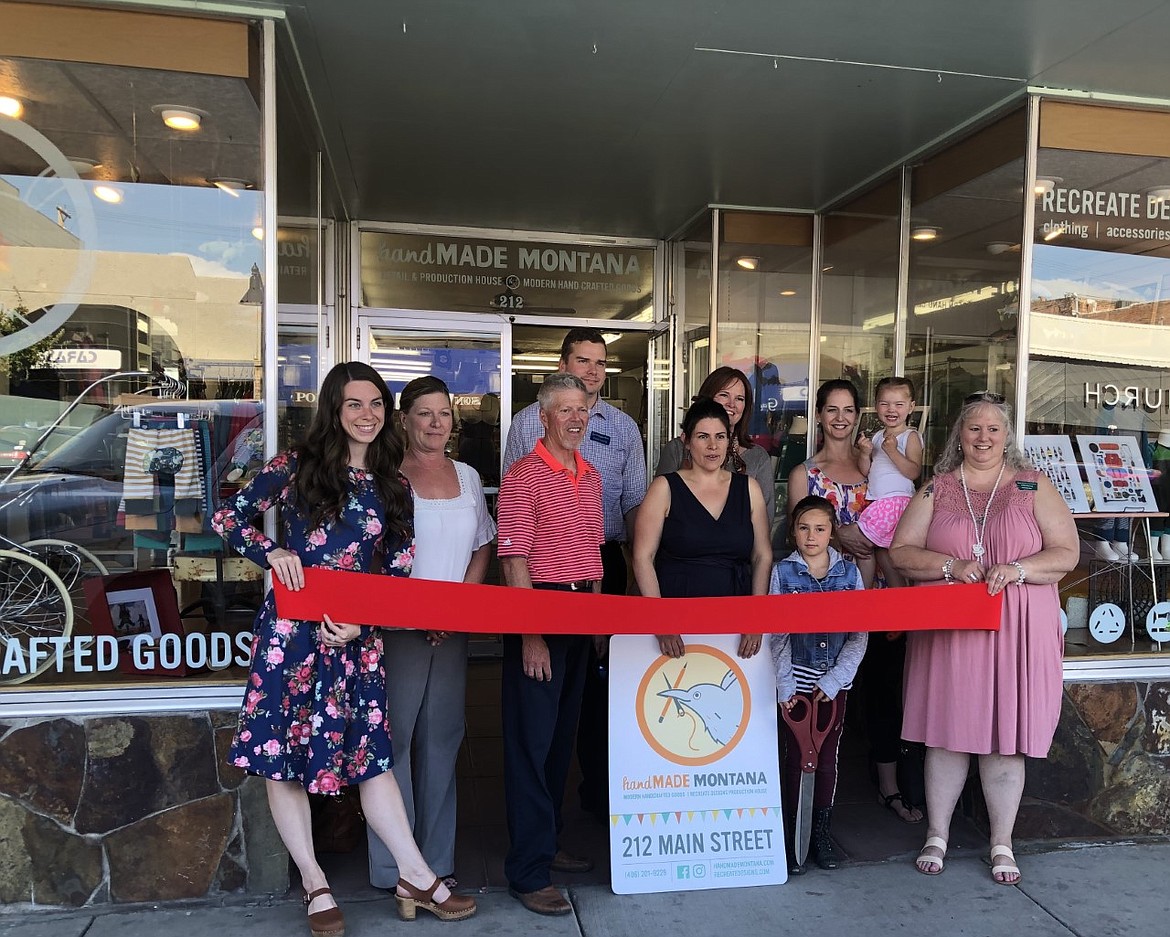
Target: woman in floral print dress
(314, 714)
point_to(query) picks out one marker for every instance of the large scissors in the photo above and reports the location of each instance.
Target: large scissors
(802, 719)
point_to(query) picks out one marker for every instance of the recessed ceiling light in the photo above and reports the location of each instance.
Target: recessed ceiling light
(610, 337)
(999, 247)
(748, 262)
(1054, 233)
(1045, 184)
(107, 193)
(925, 232)
(1160, 193)
(179, 116)
(788, 292)
(10, 107)
(231, 186)
(258, 234)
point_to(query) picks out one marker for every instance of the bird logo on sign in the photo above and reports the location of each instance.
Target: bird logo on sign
(719, 707)
(693, 710)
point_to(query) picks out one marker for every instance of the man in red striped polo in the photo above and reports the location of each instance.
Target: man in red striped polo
(551, 529)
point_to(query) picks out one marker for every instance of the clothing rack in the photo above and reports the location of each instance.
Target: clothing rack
(137, 413)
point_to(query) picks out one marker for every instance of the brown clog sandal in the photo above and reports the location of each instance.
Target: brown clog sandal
(327, 923)
(455, 908)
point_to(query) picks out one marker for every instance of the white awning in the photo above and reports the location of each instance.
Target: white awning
(1100, 340)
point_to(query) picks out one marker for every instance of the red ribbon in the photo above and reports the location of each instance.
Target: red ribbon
(395, 602)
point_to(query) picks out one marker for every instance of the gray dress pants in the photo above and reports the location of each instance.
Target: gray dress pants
(425, 694)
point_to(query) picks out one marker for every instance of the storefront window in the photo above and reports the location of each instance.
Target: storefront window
(859, 293)
(303, 285)
(692, 309)
(966, 220)
(1098, 412)
(131, 226)
(764, 325)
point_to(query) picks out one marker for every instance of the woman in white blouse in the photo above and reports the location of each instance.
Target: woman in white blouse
(426, 671)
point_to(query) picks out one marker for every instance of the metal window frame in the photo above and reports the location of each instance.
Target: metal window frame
(902, 299)
(815, 323)
(1024, 296)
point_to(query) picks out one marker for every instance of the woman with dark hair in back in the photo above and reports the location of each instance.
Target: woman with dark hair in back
(314, 716)
(729, 388)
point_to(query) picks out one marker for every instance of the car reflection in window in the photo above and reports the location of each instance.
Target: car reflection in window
(98, 451)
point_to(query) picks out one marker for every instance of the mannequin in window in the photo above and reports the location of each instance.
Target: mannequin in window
(1160, 526)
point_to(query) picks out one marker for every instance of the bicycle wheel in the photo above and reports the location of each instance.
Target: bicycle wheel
(73, 564)
(67, 559)
(34, 603)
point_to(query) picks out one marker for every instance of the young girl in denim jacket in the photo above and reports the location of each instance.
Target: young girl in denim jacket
(820, 667)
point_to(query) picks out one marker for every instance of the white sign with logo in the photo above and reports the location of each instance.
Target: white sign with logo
(97, 359)
(694, 780)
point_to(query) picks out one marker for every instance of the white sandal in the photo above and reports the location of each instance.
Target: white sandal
(1004, 851)
(932, 842)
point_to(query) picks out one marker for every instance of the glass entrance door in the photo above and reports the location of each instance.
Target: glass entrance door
(467, 356)
(494, 368)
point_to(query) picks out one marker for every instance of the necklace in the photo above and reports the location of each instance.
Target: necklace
(980, 528)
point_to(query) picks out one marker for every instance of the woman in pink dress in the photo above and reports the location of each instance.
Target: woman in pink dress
(986, 516)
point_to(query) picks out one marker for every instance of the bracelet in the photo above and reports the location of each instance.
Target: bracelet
(947, 567)
(1019, 569)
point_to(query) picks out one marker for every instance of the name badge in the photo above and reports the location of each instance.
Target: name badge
(600, 437)
(1027, 486)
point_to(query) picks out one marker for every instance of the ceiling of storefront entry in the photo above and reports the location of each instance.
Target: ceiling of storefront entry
(624, 117)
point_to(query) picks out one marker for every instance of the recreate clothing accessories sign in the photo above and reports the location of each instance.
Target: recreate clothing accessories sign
(395, 602)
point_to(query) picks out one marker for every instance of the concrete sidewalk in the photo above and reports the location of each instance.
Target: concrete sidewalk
(1083, 890)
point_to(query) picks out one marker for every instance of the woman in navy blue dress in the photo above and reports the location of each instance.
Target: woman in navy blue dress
(314, 715)
(703, 530)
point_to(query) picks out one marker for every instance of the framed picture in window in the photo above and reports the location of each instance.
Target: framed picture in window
(140, 611)
(1117, 474)
(1054, 457)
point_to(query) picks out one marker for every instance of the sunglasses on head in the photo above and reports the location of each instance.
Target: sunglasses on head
(983, 396)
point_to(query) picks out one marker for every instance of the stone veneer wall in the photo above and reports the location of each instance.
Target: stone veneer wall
(130, 808)
(1108, 772)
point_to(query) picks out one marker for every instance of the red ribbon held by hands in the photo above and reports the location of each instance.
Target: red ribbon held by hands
(424, 604)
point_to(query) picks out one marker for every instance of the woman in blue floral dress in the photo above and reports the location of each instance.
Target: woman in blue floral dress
(314, 714)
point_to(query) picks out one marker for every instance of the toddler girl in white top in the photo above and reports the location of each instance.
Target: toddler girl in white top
(892, 461)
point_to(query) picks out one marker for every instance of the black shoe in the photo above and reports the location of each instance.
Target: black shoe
(822, 848)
